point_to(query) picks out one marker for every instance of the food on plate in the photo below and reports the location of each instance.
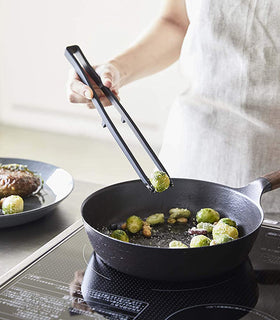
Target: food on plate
(160, 181)
(156, 218)
(134, 224)
(120, 235)
(177, 244)
(12, 204)
(17, 179)
(221, 238)
(207, 215)
(200, 241)
(205, 226)
(1, 201)
(223, 228)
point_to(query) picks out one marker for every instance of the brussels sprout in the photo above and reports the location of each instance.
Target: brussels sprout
(221, 238)
(228, 221)
(207, 215)
(205, 226)
(177, 244)
(176, 213)
(160, 181)
(223, 228)
(156, 218)
(134, 224)
(120, 235)
(200, 241)
(12, 204)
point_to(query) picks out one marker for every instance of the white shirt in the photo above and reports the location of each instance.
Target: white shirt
(225, 126)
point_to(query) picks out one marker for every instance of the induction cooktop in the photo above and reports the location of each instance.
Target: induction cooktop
(71, 282)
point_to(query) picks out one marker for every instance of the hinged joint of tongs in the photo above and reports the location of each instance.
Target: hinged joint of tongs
(76, 57)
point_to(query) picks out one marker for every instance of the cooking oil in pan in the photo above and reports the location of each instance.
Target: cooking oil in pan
(162, 234)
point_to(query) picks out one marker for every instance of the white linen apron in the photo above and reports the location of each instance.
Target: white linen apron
(225, 126)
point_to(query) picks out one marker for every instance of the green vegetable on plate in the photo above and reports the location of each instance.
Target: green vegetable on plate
(12, 204)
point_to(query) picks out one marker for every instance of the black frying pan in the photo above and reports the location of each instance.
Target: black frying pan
(116, 203)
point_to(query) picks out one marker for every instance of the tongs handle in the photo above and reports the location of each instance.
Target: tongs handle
(76, 57)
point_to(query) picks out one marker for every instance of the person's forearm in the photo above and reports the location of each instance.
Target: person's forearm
(155, 51)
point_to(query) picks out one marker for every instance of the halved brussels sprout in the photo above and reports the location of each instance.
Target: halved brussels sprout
(12, 204)
(200, 241)
(156, 218)
(223, 228)
(221, 238)
(207, 215)
(228, 221)
(205, 226)
(134, 224)
(176, 213)
(160, 181)
(177, 244)
(120, 235)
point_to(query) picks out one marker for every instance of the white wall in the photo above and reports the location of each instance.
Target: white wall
(33, 35)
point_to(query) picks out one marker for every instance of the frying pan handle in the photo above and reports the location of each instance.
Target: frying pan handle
(255, 189)
(274, 179)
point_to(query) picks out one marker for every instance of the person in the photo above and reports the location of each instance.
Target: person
(224, 127)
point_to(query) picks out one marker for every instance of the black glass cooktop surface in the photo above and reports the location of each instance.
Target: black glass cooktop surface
(71, 282)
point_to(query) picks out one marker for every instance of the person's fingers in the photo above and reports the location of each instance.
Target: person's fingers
(107, 80)
(76, 86)
(80, 88)
(116, 93)
(76, 98)
(90, 105)
(105, 74)
(78, 92)
(109, 75)
(105, 102)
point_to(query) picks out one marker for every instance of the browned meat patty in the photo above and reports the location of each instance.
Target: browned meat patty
(17, 182)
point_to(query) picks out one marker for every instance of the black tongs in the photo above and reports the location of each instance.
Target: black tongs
(76, 57)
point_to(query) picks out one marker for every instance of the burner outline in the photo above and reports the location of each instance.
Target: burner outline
(98, 273)
(229, 307)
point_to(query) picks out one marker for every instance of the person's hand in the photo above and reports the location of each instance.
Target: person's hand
(78, 92)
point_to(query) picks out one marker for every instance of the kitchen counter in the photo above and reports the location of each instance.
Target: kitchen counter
(17, 243)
